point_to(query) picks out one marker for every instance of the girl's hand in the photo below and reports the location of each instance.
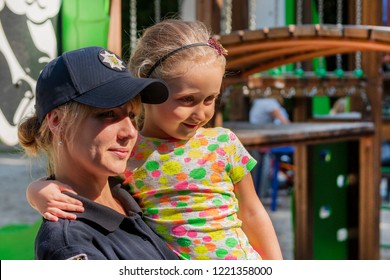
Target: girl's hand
(47, 198)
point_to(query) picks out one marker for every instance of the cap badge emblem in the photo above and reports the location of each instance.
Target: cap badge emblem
(111, 60)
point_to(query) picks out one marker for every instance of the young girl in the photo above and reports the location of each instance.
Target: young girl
(192, 183)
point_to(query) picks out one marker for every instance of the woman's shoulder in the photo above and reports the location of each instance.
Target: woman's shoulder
(52, 230)
(51, 238)
(62, 232)
(66, 239)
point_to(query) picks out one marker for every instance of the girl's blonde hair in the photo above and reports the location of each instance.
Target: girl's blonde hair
(36, 138)
(167, 36)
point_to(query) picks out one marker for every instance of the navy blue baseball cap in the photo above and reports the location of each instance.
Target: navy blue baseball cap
(92, 76)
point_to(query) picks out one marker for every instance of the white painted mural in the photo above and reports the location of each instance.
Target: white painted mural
(27, 42)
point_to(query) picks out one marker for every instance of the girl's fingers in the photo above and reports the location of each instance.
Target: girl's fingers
(63, 198)
(71, 200)
(55, 213)
(64, 207)
(71, 208)
(66, 189)
(50, 217)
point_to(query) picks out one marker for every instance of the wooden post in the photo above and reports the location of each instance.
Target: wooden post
(369, 196)
(240, 18)
(209, 12)
(388, 13)
(115, 30)
(303, 217)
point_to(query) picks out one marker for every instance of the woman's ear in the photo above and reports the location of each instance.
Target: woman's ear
(54, 118)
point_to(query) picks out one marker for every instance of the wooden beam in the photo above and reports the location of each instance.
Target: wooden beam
(277, 32)
(295, 58)
(264, 56)
(329, 30)
(303, 30)
(115, 30)
(353, 44)
(357, 32)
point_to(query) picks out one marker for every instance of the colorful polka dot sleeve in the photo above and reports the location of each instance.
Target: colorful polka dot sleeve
(185, 188)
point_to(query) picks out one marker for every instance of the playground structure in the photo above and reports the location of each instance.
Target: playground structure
(350, 210)
(337, 161)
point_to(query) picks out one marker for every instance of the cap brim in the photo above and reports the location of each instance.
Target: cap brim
(119, 91)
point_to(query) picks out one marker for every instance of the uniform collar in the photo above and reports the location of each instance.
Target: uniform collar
(104, 216)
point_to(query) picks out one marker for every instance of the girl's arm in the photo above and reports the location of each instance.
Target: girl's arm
(47, 198)
(256, 222)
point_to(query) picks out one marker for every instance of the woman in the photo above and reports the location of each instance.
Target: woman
(86, 102)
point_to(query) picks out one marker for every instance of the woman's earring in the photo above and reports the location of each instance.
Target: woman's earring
(60, 142)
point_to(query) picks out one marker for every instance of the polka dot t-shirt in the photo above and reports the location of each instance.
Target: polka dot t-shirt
(185, 188)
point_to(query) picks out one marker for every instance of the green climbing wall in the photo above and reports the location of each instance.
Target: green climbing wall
(84, 23)
(334, 201)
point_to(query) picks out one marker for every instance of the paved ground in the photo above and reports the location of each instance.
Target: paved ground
(16, 172)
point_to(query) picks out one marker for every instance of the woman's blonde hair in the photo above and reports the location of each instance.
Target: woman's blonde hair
(36, 138)
(167, 36)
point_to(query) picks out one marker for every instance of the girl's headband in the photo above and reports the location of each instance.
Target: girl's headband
(212, 43)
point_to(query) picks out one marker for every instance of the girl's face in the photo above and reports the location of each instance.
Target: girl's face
(103, 141)
(191, 104)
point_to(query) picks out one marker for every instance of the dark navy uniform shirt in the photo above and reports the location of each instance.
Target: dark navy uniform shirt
(101, 233)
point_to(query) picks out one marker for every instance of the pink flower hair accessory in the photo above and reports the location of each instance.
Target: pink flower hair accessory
(212, 42)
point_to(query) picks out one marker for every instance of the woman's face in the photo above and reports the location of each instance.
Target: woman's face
(103, 141)
(191, 104)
